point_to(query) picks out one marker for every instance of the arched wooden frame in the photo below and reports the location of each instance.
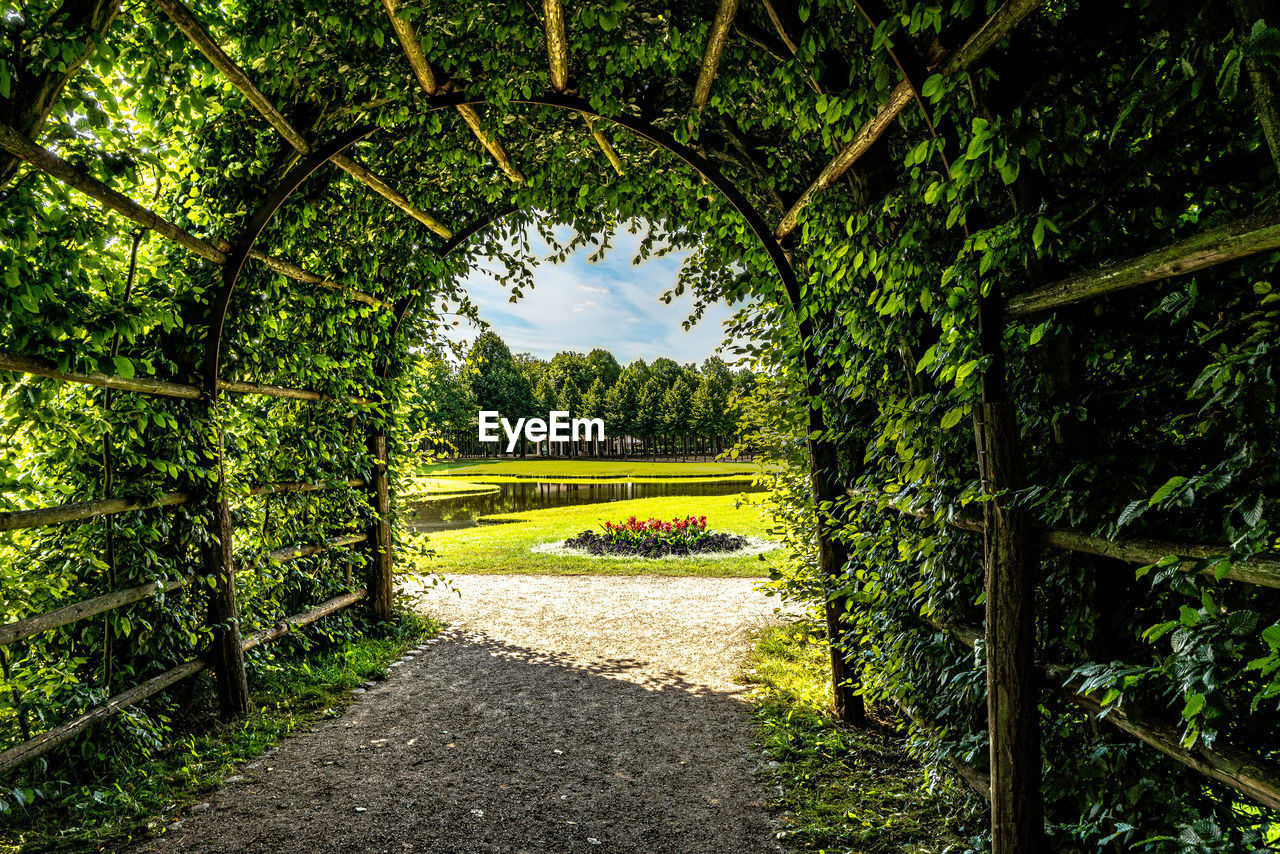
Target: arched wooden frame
(299, 173)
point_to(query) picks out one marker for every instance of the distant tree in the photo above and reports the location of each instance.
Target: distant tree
(571, 366)
(571, 400)
(620, 409)
(435, 408)
(594, 405)
(665, 371)
(648, 422)
(546, 400)
(676, 415)
(707, 411)
(496, 382)
(604, 367)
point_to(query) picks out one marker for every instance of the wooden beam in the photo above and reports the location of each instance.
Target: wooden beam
(186, 21)
(995, 28)
(901, 95)
(61, 734)
(285, 392)
(295, 552)
(1262, 78)
(217, 553)
(1263, 570)
(34, 95)
(15, 520)
(306, 618)
(298, 274)
(603, 141)
(51, 164)
(216, 251)
(382, 570)
(39, 367)
(1238, 239)
(557, 44)
(68, 614)
(1251, 775)
(714, 50)
(1001, 22)
(412, 48)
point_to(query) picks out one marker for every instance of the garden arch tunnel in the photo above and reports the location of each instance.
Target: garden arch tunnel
(1009, 629)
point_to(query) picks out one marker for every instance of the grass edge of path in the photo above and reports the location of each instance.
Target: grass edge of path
(843, 789)
(146, 795)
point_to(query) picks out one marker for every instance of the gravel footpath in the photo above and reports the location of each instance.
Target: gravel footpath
(558, 714)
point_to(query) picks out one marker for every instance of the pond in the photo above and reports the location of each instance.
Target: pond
(465, 511)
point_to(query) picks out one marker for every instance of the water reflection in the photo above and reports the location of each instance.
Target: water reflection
(464, 511)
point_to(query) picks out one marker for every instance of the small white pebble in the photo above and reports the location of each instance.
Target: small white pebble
(593, 840)
(478, 813)
(361, 809)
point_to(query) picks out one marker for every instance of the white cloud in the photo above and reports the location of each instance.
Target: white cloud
(622, 312)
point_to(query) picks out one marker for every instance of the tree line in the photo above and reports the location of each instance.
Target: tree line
(660, 408)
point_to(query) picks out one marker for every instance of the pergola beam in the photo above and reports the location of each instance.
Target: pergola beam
(186, 21)
(557, 44)
(993, 29)
(216, 251)
(422, 70)
(558, 62)
(1238, 239)
(714, 50)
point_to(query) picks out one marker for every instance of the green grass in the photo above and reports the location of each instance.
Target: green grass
(419, 488)
(561, 469)
(844, 789)
(505, 548)
(142, 794)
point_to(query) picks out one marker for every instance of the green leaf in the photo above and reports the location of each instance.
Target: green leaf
(952, 418)
(1170, 486)
(124, 367)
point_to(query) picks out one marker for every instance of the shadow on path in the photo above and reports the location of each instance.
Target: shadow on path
(482, 745)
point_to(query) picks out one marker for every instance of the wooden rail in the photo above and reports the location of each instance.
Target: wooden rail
(41, 367)
(294, 552)
(289, 624)
(1263, 570)
(34, 625)
(1238, 239)
(216, 251)
(61, 734)
(1253, 776)
(14, 520)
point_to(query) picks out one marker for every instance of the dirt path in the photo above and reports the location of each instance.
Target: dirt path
(559, 714)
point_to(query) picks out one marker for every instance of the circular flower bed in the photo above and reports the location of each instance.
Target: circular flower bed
(655, 538)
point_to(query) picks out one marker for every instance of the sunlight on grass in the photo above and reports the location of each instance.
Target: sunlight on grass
(505, 547)
(844, 789)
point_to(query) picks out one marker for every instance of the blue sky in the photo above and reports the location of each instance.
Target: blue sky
(579, 305)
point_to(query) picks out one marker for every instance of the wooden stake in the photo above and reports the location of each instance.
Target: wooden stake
(1013, 719)
(382, 578)
(218, 555)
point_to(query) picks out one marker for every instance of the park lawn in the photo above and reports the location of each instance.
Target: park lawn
(416, 488)
(562, 469)
(505, 548)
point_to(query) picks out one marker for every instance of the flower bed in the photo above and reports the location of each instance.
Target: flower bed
(655, 538)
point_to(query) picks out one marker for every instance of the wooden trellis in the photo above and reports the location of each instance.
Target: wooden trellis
(1015, 679)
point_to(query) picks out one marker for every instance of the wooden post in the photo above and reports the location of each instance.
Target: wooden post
(382, 578)
(1017, 823)
(218, 554)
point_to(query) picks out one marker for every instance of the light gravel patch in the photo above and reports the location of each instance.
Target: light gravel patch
(558, 715)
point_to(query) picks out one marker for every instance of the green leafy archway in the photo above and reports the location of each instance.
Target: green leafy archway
(940, 182)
